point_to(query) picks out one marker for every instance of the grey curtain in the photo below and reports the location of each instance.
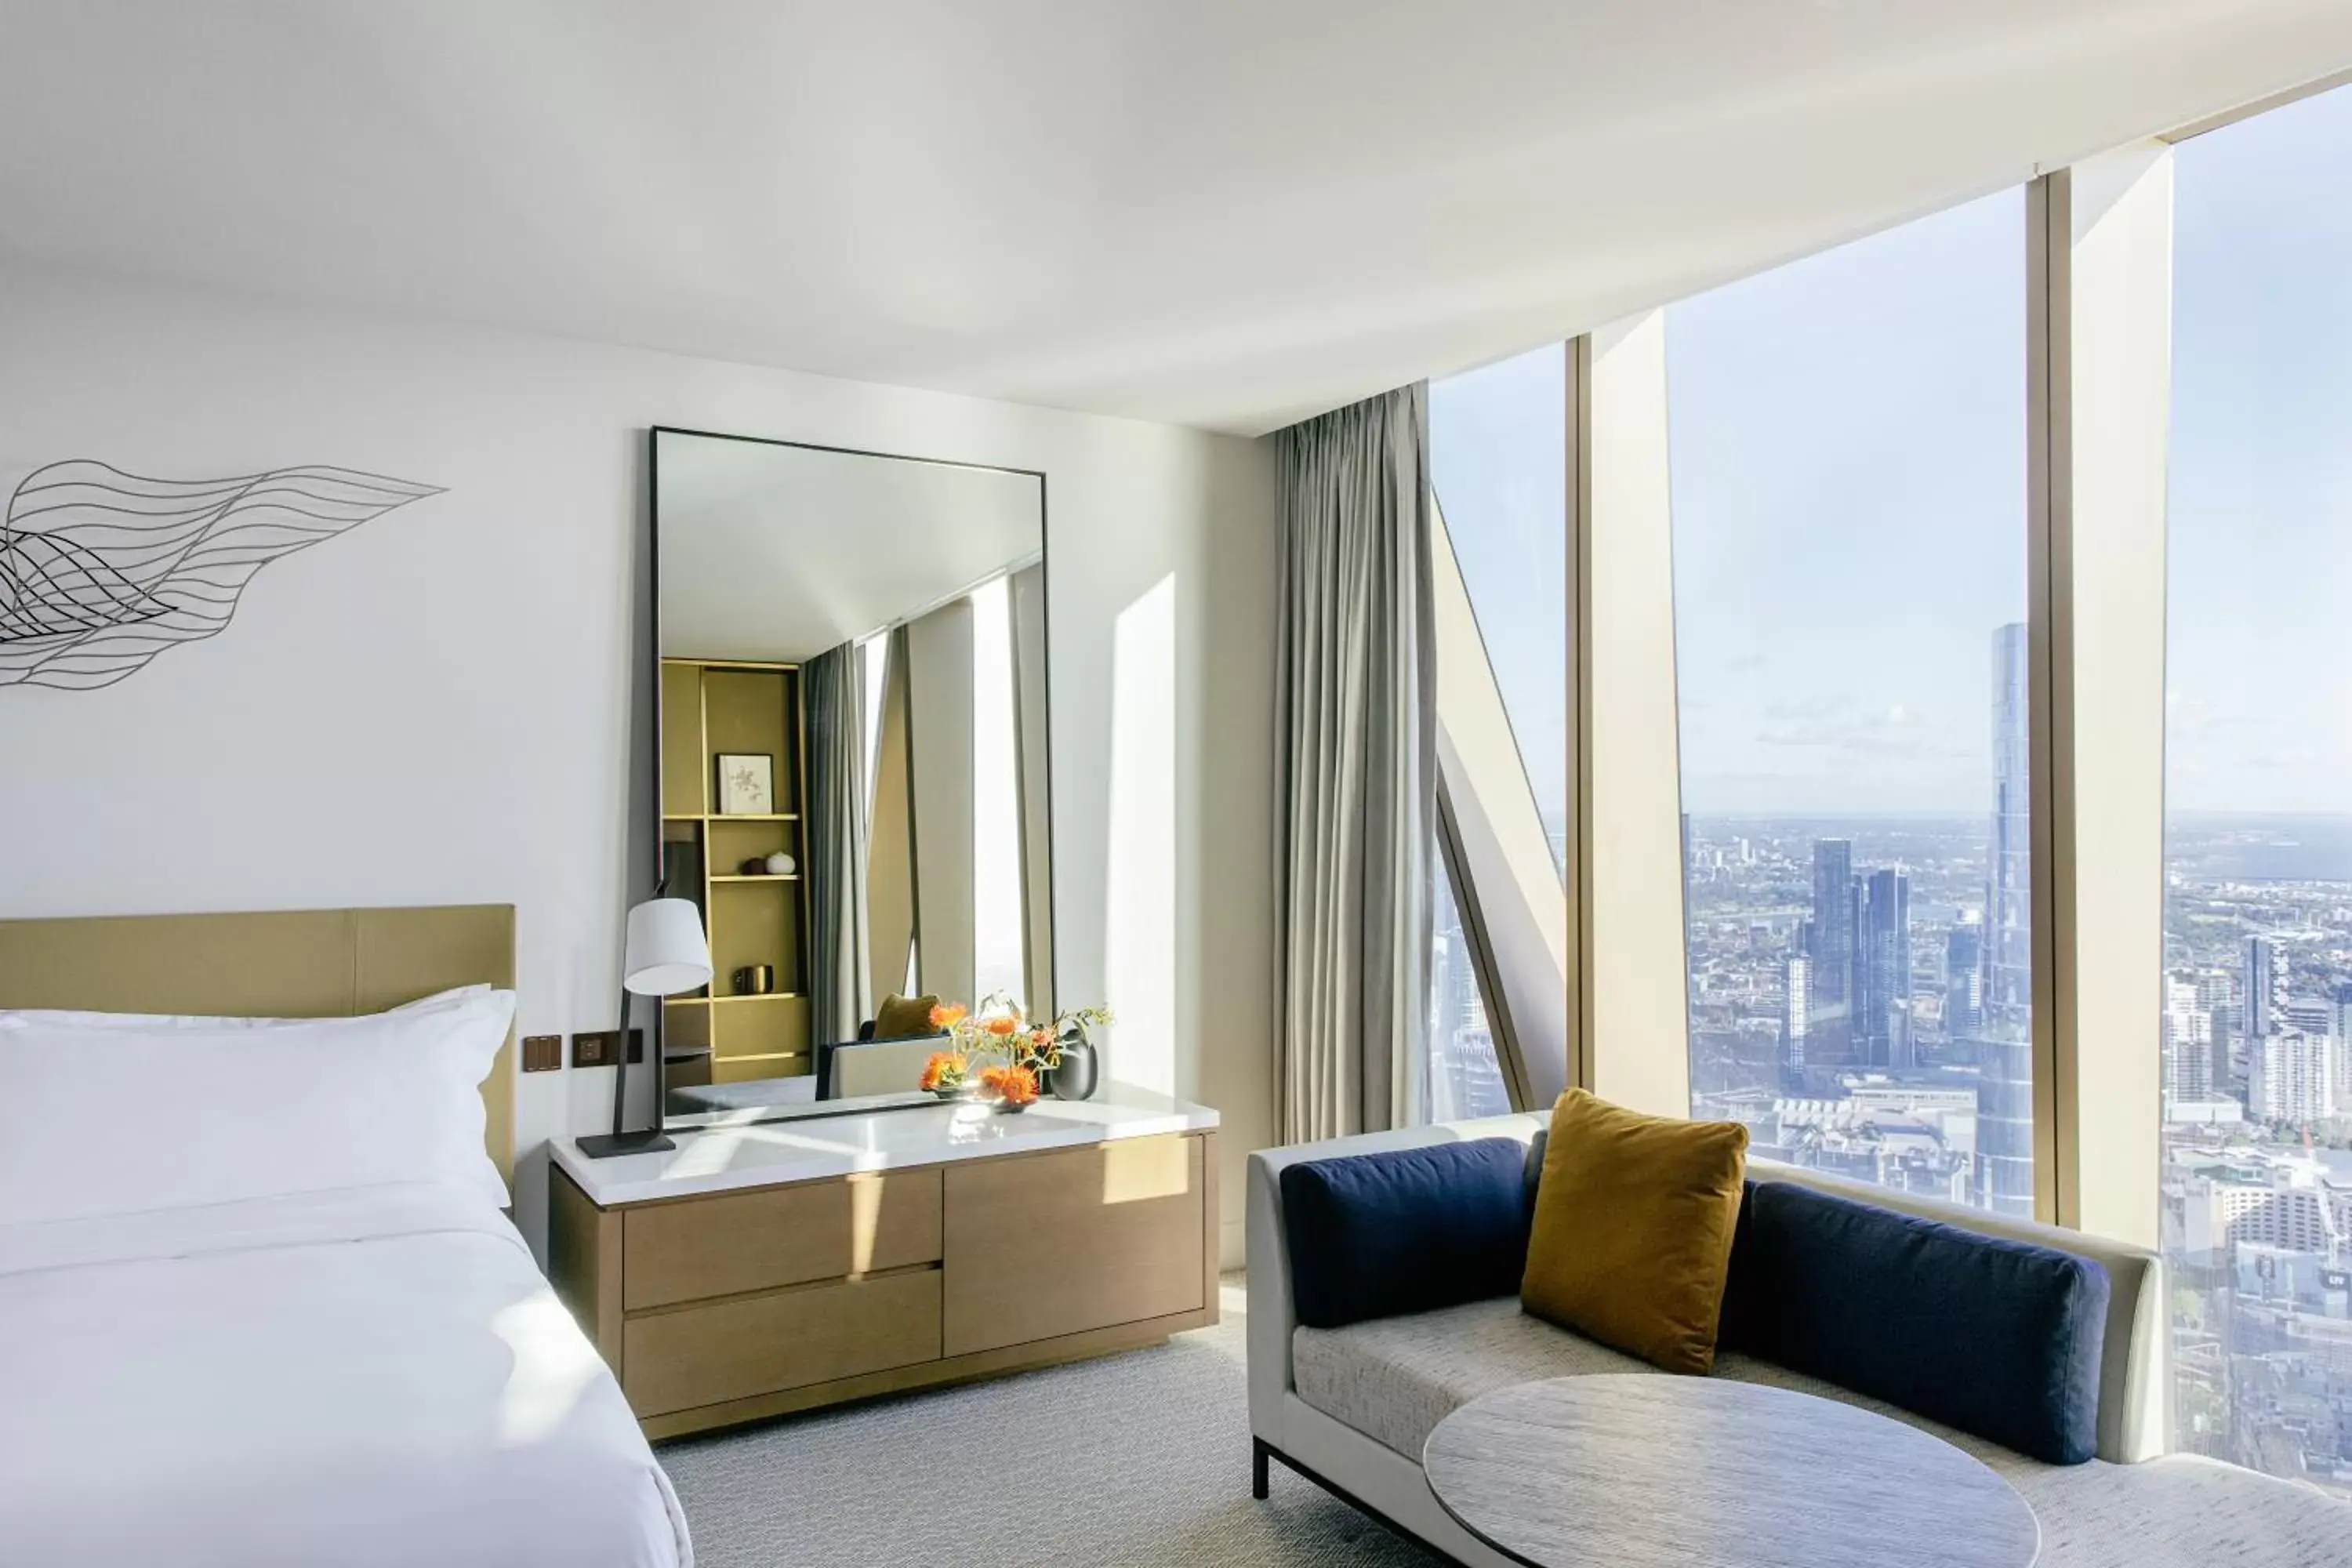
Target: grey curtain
(1356, 767)
(833, 689)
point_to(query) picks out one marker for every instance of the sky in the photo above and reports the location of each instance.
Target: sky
(1848, 472)
(2259, 679)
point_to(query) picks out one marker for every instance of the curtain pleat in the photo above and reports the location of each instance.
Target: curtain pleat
(834, 693)
(1356, 757)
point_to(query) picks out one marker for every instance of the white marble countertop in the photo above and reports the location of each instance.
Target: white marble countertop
(756, 1155)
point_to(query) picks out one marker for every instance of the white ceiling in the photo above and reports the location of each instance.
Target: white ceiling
(1227, 215)
(771, 552)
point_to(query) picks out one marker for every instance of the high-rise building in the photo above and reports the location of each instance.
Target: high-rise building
(2291, 1077)
(1796, 1019)
(2005, 1112)
(1964, 977)
(2265, 987)
(2339, 1037)
(2312, 1014)
(1883, 1004)
(1832, 950)
(2188, 1045)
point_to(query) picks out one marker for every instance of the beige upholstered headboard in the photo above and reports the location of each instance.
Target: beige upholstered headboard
(307, 963)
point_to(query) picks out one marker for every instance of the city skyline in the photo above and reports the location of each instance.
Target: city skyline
(1867, 1081)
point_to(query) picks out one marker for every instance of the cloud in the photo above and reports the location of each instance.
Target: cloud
(1894, 731)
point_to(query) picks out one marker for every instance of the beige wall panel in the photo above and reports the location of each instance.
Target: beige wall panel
(753, 923)
(2119, 319)
(762, 1026)
(684, 782)
(750, 710)
(1636, 990)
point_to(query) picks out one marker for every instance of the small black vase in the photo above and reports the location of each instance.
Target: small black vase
(1074, 1079)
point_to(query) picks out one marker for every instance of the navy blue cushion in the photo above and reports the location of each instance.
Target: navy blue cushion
(1736, 1327)
(1995, 1337)
(1372, 1236)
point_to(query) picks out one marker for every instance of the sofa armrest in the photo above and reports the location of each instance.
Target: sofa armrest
(1270, 1316)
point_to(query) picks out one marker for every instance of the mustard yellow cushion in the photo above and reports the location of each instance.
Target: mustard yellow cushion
(901, 1017)
(1633, 1229)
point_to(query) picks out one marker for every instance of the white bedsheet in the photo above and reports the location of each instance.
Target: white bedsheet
(376, 1377)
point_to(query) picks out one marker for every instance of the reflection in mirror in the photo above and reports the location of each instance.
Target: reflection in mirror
(853, 765)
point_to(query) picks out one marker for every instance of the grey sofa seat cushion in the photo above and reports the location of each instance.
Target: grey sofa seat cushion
(1394, 1379)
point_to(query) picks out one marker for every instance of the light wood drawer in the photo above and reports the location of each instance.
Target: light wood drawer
(1058, 1244)
(757, 1344)
(737, 1242)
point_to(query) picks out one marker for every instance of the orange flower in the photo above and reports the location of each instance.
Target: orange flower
(945, 1015)
(991, 1078)
(1002, 1025)
(944, 1070)
(1016, 1086)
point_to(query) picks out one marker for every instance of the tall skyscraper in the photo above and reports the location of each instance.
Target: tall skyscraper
(1832, 950)
(1796, 1019)
(2005, 1103)
(2188, 1045)
(1964, 977)
(1883, 1009)
(2292, 1077)
(2266, 983)
(2339, 1041)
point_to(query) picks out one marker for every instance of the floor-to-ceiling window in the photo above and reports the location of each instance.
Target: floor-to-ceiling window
(1497, 445)
(1498, 459)
(2257, 1033)
(1848, 468)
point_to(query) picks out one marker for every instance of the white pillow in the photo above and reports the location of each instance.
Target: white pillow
(115, 1117)
(10, 1017)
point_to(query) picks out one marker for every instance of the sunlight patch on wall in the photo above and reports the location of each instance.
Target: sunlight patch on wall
(1139, 943)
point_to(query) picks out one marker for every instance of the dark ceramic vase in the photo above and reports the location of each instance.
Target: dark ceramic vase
(1074, 1079)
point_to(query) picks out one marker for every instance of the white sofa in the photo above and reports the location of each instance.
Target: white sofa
(1350, 1409)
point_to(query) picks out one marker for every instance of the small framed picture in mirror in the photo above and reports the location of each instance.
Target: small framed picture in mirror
(747, 783)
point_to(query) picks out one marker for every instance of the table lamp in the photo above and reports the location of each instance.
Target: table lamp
(666, 955)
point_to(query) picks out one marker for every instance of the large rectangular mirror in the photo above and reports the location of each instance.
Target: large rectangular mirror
(854, 766)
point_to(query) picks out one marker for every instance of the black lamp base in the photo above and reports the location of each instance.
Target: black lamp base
(604, 1145)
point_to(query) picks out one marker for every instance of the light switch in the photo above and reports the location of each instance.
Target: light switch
(594, 1048)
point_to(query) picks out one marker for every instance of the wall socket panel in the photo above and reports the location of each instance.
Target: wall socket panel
(596, 1047)
(542, 1053)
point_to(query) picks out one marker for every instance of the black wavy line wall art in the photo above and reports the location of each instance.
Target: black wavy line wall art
(100, 570)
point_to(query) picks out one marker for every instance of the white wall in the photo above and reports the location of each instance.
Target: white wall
(436, 706)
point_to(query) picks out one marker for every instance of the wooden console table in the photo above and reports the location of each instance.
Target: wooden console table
(773, 1267)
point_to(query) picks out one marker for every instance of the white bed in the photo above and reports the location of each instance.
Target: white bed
(370, 1376)
(259, 1306)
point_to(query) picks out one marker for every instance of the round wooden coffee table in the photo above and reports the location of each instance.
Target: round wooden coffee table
(1638, 1471)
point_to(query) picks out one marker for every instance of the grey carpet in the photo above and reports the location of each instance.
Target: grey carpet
(1141, 1460)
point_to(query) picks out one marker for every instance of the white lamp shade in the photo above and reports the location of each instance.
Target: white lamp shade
(667, 953)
